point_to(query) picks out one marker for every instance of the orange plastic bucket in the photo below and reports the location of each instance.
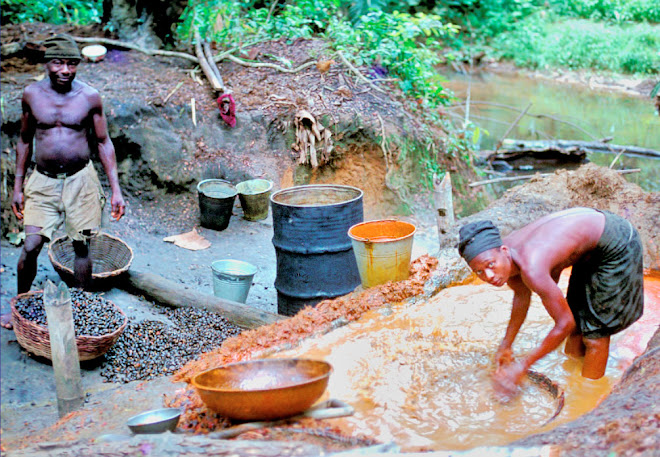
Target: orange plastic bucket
(382, 250)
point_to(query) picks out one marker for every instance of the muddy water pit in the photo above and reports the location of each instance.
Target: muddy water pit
(418, 374)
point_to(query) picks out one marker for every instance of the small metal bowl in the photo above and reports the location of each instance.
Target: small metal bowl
(156, 421)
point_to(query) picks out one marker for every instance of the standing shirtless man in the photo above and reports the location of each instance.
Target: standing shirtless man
(63, 119)
(605, 292)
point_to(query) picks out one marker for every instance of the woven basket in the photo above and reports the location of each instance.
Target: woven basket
(35, 339)
(110, 258)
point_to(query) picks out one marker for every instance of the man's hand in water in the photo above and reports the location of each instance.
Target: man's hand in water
(506, 379)
(504, 356)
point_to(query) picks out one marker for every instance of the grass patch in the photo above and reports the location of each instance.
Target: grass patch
(575, 44)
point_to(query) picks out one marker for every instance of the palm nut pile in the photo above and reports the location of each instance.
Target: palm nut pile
(93, 315)
(149, 349)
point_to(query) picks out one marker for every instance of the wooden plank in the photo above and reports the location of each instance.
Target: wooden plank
(170, 293)
(63, 348)
(444, 204)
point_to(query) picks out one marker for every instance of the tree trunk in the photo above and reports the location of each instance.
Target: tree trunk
(148, 24)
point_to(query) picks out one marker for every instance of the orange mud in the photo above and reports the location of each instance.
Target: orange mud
(261, 342)
(418, 373)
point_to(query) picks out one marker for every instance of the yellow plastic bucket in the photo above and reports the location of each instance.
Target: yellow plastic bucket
(382, 250)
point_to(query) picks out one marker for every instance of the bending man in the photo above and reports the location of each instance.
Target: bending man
(605, 292)
(64, 120)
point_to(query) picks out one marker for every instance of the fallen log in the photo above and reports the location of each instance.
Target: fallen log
(170, 293)
(124, 44)
(211, 75)
(512, 145)
(522, 177)
(9, 49)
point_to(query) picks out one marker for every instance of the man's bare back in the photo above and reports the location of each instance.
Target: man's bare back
(556, 241)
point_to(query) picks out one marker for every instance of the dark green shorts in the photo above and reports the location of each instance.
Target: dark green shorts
(606, 289)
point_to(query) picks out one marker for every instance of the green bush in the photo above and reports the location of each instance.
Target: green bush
(581, 44)
(231, 22)
(610, 10)
(51, 11)
(408, 46)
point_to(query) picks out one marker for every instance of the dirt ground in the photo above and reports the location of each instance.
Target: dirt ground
(29, 410)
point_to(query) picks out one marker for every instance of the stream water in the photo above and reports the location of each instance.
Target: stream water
(560, 111)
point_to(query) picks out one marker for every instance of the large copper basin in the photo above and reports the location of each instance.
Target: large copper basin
(263, 389)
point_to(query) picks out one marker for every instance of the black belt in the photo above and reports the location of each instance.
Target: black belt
(62, 175)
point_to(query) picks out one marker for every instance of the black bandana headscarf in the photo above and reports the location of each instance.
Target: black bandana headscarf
(477, 237)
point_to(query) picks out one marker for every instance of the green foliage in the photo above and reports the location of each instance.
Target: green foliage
(617, 11)
(483, 19)
(231, 22)
(656, 90)
(616, 35)
(408, 46)
(421, 159)
(356, 9)
(577, 44)
(51, 11)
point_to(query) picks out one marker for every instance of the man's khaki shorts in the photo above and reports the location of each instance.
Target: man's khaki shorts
(76, 200)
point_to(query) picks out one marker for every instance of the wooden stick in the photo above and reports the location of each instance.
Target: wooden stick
(172, 93)
(63, 348)
(206, 67)
(192, 108)
(170, 293)
(357, 73)
(600, 146)
(269, 65)
(518, 178)
(513, 124)
(122, 44)
(328, 410)
(383, 145)
(214, 68)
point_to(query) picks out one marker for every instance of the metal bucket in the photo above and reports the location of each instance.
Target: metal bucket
(254, 196)
(382, 250)
(314, 254)
(216, 200)
(232, 279)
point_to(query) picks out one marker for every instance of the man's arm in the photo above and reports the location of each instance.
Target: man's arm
(521, 299)
(23, 152)
(554, 302)
(107, 156)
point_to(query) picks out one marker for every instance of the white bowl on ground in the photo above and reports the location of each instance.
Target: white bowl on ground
(94, 53)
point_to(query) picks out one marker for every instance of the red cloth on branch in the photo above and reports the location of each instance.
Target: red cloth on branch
(227, 109)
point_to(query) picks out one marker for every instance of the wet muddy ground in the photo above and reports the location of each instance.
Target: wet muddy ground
(28, 390)
(28, 396)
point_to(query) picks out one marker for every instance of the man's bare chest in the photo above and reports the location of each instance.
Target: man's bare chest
(71, 113)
